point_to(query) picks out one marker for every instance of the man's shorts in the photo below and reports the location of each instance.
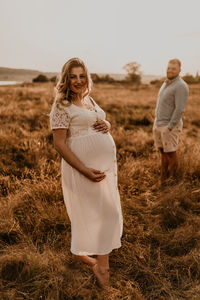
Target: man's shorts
(165, 138)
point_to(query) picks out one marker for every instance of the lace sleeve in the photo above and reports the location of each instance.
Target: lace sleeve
(59, 118)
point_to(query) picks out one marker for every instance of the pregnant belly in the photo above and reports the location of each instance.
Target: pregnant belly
(95, 151)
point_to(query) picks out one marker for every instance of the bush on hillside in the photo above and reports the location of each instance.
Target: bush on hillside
(105, 78)
(190, 79)
(157, 82)
(94, 77)
(53, 79)
(40, 78)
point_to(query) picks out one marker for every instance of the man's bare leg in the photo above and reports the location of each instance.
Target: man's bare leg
(164, 165)
(173, 163)
(101, 270)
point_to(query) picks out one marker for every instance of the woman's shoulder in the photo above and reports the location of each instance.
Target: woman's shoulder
(61, 107)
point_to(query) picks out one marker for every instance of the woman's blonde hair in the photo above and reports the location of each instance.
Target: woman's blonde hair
(64, 95)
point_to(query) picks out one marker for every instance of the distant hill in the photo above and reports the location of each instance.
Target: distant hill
(10, 74)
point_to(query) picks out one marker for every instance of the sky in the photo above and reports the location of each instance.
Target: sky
(106, 34)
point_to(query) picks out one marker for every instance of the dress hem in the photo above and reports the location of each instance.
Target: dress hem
(94, 253)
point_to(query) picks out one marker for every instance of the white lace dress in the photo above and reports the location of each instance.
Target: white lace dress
(93, 207)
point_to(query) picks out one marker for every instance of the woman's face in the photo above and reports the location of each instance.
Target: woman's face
(77, 80)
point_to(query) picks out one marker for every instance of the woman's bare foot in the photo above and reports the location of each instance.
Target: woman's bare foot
(86, 259)
(102, 276)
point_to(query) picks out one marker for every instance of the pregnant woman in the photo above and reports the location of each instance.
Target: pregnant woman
(89, 170)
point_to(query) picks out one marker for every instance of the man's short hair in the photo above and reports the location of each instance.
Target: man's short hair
(175, 61)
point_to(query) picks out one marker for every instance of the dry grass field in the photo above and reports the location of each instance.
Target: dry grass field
(160, 253)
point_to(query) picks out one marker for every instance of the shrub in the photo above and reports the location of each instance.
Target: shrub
(105, 78)
(53, 79)
(190, 79)
(40, 78)
(95, 77)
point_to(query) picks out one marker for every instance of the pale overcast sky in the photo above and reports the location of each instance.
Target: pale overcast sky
(106, 34)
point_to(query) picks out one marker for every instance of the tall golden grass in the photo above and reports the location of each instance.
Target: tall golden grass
(160, 253)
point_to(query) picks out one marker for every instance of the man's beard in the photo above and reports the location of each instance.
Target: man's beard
(171, 77)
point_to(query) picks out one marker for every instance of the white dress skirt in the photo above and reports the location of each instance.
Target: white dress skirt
(93, 207)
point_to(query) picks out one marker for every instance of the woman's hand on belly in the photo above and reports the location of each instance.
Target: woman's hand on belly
(94, 175)
(101, 126)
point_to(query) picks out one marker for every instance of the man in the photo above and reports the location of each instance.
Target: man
(171, 103)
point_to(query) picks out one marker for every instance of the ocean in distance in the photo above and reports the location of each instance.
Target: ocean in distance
(9, 82)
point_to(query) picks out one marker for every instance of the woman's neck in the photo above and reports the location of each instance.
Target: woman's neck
(78, 100)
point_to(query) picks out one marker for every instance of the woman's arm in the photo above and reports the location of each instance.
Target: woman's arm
(59, 139)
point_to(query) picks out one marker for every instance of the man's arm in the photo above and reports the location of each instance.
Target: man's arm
(181, 96)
